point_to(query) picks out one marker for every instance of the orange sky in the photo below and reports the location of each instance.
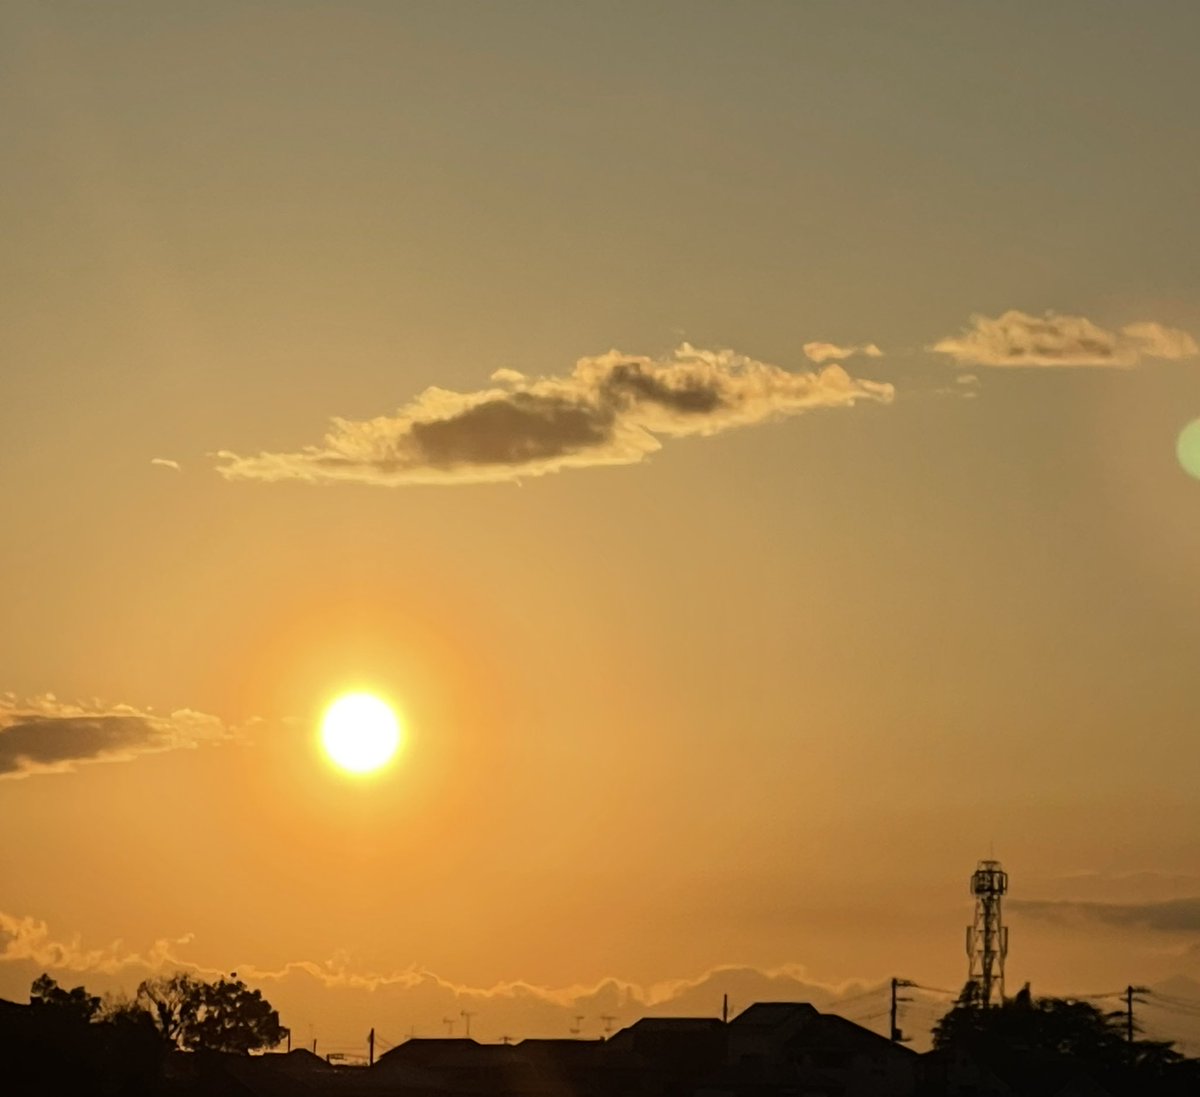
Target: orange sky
(867, 551)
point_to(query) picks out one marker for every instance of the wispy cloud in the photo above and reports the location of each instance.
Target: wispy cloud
(825, 352)
(30, 940)
(1168, 915)
(1016, 338)
(165, 463)
(610, 410)
(46, 735)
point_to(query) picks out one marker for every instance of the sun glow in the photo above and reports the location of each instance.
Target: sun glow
(360, 733)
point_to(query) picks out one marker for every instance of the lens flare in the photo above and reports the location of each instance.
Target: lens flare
(1188, 448)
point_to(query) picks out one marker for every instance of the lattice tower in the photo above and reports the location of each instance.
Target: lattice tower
(987, 937)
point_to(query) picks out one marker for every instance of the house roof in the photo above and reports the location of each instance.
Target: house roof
(840, 1031)
(676, 1024)
(767, 1015)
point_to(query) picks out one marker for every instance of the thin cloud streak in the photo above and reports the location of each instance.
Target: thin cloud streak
(45, 735)
(1167, 916)
(1016, 338)
(610, 410)
(165, 463)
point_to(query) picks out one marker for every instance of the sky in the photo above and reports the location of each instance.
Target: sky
(755, 448)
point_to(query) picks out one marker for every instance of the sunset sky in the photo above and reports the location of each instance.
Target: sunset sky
(748, 445)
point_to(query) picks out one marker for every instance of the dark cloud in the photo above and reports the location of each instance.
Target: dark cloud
(516, 429)
(631, 382)
(41, 741)
(1168, 916)
(49, 736)
(611, 409)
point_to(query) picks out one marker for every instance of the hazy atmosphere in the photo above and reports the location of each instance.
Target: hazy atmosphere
(754, 450)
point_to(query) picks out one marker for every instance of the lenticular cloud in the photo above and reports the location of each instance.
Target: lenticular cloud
(614, 409)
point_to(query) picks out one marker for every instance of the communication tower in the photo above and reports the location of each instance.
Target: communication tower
(987, 937)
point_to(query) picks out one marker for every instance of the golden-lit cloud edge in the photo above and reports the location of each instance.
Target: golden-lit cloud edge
(29, 941)
(829, 352)
(45, 735)
(417, 999)
(612, 409)
(1018, 339)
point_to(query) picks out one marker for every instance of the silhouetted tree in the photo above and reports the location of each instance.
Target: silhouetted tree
(45, 993)
(232, 1017)
(171, 1001)
(222, 1016)
(67, 1042)
(1027, 1033)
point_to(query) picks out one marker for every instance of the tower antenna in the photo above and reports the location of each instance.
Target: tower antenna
(987, 936)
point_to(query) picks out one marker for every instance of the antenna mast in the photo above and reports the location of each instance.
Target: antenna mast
(987, 937)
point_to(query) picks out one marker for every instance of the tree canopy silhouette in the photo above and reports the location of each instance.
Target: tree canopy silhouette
(45, 993)
(68, 1041)
(222, 1016)
(1026, 1035)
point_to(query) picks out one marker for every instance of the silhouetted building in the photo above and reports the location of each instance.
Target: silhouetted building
(664, 1056)
(793, 1050)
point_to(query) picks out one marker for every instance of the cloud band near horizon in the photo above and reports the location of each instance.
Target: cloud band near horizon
(29, 941)
(613, 409)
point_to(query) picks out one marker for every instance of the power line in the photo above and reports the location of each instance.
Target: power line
(881, 989)
(936, 990)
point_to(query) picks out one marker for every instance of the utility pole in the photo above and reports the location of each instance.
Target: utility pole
(608, 1020)
(897, 1036)
(466, 1016)
(371, 1048)
(725, 1008)
(1130, 991)
(314, 1045)
(449, 1023)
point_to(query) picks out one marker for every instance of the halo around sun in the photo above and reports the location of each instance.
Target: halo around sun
(360, 733)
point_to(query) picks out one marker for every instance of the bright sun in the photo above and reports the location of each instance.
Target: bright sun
(360, 732)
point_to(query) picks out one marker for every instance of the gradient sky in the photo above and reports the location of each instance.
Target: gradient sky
(730, 661)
